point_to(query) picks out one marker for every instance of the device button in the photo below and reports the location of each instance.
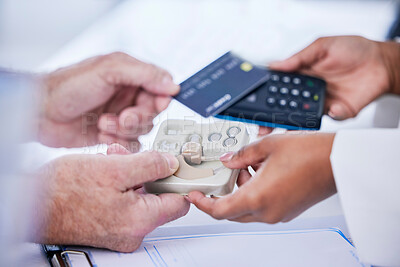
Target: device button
(271, 101)
(286, 79)
(284, 91)
(252, 98)
(306, 94)
(282, 103)
(273, 89)
(310, 106)
(295, 92)
(316, 98)
(229, 142)
(293, 104)
(275, 77)
(297, 81)
(214, 137)
(233, 131)
(310, 83)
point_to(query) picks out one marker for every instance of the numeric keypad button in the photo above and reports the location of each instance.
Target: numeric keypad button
(295, 92)
(233, 131)
(286, 79)
(306, 94)
(284, 91)
(293, 104)
(297, 81)
(273, 89)
(214, 137)
(282, 103)
(229, 142)
(275, 77)
(271, 101)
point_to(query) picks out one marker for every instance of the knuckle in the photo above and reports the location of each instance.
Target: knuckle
(158, 163)
(217, 214)
(320, 40)
(272, 217)
(129, 245)
(255, 202)
(110, 60)
(118, 55)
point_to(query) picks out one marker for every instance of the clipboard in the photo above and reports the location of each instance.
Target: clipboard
(182, 246)
(57, 256)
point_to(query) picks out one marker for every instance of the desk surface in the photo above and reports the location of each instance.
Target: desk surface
(183, 36)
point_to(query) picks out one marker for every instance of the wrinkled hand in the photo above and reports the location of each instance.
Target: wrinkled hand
(293, 172)
(97, 200)
(355, 69)
(106, 99)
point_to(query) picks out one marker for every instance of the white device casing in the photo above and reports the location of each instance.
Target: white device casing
(173, 134)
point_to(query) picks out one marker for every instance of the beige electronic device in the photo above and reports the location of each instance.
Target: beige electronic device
(198, 148)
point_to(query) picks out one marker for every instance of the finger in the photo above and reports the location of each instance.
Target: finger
(162, 102)
(123, 98)
(244, 177)
(248, 155)
(158, 210)
(173, 206)
(134, 122)
(117, 149)
(338, 110)
(145, 167)
(131, 145)
(122, 69)
(226, 207)
(264, 131)
(245, 219)
(303, 59)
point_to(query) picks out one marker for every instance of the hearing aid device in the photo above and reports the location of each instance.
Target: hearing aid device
(198, 148)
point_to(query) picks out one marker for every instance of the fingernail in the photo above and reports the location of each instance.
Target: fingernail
(227, 156)
(173, 162)
(187, 198)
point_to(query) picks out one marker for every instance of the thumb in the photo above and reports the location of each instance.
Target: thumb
(248, 155)
(166, 207)
(140, 168)
(340, 111)
(303, 59)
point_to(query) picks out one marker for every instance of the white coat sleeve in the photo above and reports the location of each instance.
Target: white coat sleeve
(366, 167)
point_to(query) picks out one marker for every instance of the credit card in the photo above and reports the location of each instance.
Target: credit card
(221, 84)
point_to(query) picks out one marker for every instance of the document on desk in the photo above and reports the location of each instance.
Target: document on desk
(318, 247)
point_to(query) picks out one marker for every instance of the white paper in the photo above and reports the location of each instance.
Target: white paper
(318, 247)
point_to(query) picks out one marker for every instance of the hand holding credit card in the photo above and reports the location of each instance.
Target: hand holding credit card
(234, 89)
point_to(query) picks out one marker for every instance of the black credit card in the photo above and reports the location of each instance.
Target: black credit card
(221, 84)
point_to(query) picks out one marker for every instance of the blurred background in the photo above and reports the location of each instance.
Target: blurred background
(31, 32)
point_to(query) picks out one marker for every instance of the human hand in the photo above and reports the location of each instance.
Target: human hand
(97, 200)
(293, 172)
(353, 67)
(105, 99)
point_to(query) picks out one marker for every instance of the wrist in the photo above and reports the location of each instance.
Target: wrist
(390, 52)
